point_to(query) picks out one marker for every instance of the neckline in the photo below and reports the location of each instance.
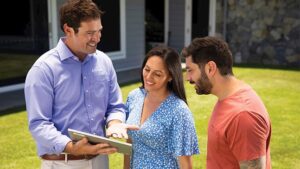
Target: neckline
(154, 112)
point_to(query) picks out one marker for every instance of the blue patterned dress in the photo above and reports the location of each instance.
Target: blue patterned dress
(168, 133)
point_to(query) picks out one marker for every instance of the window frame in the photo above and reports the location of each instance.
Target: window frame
(121, 54)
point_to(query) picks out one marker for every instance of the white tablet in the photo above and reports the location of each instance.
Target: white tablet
(122, 147)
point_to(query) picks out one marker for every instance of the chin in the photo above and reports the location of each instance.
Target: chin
(149, 89)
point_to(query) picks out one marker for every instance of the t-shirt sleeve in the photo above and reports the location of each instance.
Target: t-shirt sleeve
(247, 136)
(183, 137)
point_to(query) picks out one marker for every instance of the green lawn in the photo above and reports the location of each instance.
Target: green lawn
(279, 89)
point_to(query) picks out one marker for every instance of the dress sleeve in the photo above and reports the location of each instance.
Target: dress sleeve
(183, 137)
(247, 136)
(127, 104)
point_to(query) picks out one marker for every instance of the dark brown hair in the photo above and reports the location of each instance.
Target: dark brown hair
(171, 59)
(208, 49)
(73, 12)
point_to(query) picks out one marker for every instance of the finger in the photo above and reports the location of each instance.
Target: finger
(81, 142)
(124, 134)
(94, 149)
(108, 133)
(106, 151)
(132, 127)
(115, 135)
(105, 148)
(84, 140)
(118, 135)
(103, 145)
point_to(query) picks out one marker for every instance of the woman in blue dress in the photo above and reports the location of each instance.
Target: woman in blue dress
(167, 136)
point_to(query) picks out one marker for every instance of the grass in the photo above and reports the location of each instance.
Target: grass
(279, 90)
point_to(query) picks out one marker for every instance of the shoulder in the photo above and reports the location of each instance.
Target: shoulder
(46, 63)
(43, 68)
(178, 103)
(47, 58)
(138, 92)
(134, 96)
(178, 106)
(101, 56)
(251, 122)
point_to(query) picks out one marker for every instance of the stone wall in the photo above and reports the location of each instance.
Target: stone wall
(261, 31)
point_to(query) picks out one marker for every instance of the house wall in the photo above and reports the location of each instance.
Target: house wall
(176, 23)
(128, 69)
(262, 32)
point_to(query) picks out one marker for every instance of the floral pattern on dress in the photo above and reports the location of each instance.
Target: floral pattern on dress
(168, 133)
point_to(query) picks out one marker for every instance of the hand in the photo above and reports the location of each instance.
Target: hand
(119, 130)
(82, 147)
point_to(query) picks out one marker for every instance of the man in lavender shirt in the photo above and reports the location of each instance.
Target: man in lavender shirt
(74, 85)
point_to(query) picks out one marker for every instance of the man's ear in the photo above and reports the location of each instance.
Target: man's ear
(211, 68)
(67, 29)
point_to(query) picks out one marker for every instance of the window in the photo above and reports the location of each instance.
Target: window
(113, 21)
(22, 39)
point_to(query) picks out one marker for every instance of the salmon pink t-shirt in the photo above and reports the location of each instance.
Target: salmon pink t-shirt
(239, 130)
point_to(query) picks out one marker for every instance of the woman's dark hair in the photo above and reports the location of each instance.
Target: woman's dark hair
(73, 12)
(171, 59)
(208, 49)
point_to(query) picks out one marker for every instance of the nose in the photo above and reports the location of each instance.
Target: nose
(149, 75)
(189, 79)
(96, 36)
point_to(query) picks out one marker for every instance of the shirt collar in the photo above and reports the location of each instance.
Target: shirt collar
(65, 53)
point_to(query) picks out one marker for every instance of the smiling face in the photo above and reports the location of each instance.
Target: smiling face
(86, 39)
(155, 75)
(197, 77)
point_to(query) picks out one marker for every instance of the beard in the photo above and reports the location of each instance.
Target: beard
(203, 85)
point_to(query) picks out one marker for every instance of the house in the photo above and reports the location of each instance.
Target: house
(263, 32)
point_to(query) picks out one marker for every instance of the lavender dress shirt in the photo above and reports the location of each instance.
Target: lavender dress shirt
(62, 92)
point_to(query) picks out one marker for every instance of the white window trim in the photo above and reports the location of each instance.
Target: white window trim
(10, 88)
(188, 22)
(212, 18)
(121, 54)
(166, 37)
(52, 22)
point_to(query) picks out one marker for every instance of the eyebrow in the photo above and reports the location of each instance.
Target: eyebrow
(154, 70)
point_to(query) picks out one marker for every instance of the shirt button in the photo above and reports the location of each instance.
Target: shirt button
(84, 77)
(86, 91)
